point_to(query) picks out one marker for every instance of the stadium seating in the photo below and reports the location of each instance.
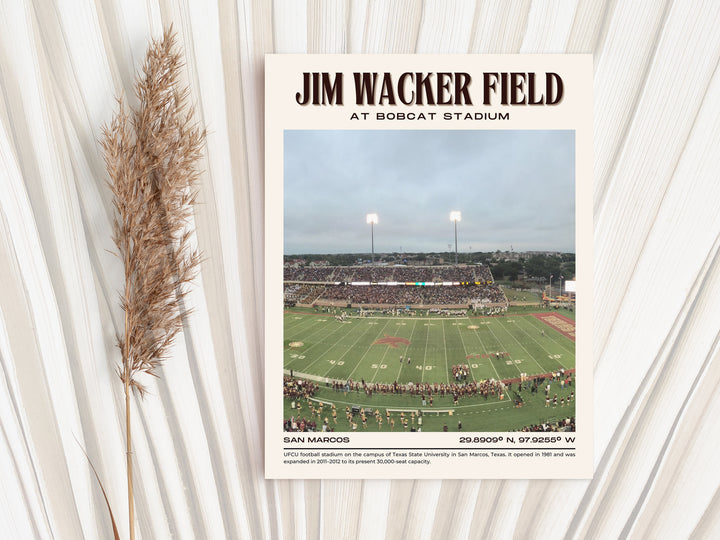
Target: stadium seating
(393, 285)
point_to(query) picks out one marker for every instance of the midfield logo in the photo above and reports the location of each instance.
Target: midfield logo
(392, 341)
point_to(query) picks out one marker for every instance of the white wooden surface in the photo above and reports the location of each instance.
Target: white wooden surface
(198, 437)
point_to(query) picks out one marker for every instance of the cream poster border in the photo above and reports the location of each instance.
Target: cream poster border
(437, 455)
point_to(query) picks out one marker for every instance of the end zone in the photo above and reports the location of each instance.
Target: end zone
(561, 323)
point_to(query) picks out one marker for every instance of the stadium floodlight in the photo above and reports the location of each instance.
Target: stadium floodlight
(550, 291)
(372, 219)
(456, 216)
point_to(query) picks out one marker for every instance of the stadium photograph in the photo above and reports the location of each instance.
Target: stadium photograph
(429, 281)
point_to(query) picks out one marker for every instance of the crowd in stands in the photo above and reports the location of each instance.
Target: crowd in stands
(442, 273)
(317, 274)
(566, 424)
(361, 273)
(307, 284)
(291, 292)
(383, 274)
(303, 294)
(409, 294)
(489, 293)
(299, 424)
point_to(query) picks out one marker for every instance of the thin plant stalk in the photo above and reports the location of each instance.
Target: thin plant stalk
(128, 431)
(128, 457)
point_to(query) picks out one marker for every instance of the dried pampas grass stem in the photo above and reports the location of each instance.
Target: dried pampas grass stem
(151, 155)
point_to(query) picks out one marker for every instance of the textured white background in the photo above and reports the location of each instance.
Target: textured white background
(198, 439)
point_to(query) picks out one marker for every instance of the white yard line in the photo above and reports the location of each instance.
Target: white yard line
(466, 353)
(490, 359)
(561, 342)
(543, 348)
(348, 350)
(509, 355)
(427, 339)
(305, 351)
(304, 326)
(300, 320)
(542, 370)
(412, 332)
(387, 349)
(447, 376)
(331, 347)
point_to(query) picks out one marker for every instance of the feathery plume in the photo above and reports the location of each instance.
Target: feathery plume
(151, 155)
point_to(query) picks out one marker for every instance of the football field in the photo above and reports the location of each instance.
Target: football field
(424, 349)
(420, 349)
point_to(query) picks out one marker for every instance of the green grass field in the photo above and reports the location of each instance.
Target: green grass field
(317, 346)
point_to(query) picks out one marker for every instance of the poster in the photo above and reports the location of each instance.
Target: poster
(428, 266)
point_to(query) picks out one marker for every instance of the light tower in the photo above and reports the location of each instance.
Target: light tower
(456, 216)
(550, 292)
(372, 219)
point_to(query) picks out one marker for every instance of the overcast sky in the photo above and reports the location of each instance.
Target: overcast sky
(513, 188)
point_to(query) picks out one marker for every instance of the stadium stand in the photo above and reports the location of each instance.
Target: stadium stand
(393, 285)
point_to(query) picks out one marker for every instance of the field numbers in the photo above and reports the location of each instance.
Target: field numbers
(378, 366)
(555, 356)
(426, 368)
(333, 362)
(474, 366)
(511, 362)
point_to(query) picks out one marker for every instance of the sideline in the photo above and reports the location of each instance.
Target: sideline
(317, 378)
